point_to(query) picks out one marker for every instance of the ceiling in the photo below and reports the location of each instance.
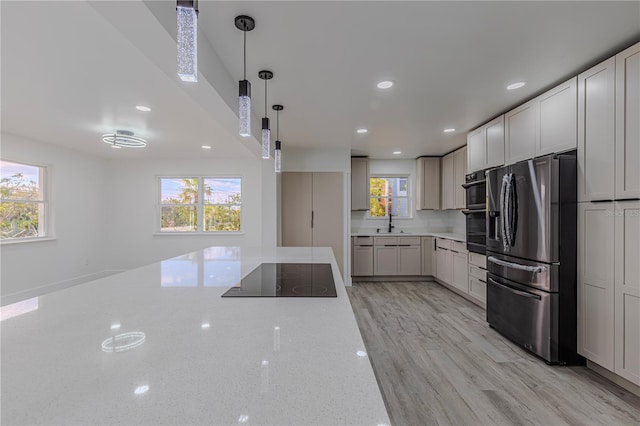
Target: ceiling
(72, 71)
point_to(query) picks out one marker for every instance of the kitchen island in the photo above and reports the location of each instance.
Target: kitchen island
(159, 345)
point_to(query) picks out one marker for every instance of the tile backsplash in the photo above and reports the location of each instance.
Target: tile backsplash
(424, 220)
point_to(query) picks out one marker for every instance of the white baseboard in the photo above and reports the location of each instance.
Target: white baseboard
(613, 377)
(48, 288)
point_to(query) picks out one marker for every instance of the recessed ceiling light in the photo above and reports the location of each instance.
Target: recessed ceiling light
(449, 130)
(143, 108)
(385, 84)
(141, 389)
(517, 85)
(115, 326)
(206, 147)
(362, 131)
(205, 325)
(397, 152)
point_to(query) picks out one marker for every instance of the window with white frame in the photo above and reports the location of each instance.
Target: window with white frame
(389, 194)
(200, 204)
(23, 201)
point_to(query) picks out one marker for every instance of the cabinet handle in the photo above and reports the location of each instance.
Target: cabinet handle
(404, 245)
(627, 199)
(390, 245)
(312, 218)
(601, 201)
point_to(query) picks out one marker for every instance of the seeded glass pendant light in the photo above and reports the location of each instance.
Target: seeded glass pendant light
(278, 151)
(245, 23)
(187, 11)
(266, 131)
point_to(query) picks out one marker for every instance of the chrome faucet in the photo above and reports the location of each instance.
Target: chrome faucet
(390, 225)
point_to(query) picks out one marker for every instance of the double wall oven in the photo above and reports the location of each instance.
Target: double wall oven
(475, 190)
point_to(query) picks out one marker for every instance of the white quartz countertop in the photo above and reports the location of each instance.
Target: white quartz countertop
(158, 345)
(409, 233)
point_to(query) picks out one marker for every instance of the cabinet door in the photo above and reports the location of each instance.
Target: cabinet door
(385, 260)
(428, 183)
(447, 182)
(494, 135)
(362, 261)
(521, 132)
(628, 123)
(558, 118)
(409, 260)
(459, 170)
(328, 213)
(596, 282)
(296, 206)
(444, 265)
(427, 256)
(460, 271)
(359, 183)
(476, 150)
(627, 290)
(596, 132)
(478, 289)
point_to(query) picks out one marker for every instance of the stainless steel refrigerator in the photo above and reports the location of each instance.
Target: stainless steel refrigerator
(531, 255)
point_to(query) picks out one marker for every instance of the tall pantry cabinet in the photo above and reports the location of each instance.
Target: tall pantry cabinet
(609, 214)
(312, 211)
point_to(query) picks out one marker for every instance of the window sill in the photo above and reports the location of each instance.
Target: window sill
(9, 242)
(198, 234)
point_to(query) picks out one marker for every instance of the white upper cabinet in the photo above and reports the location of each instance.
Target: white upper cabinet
(428, 183)
(558, 117)
(359, 183)
(476, 159)
(494, 131)
(485, 146)
(459, 173)
(448, 177)
(596, 132)
(628, 123)
(521, 132)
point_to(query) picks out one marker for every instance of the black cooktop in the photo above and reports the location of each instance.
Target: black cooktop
(286, 280)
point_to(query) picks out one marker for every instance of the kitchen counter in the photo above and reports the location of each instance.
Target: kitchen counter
(158, 345)
(410, 233)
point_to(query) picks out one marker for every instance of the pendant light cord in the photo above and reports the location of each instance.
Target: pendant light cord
(277, 125)
(265, 97)
(245, 55)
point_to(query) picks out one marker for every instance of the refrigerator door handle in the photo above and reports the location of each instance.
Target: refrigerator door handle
(502, 214)
(513, 290)
(513, 265)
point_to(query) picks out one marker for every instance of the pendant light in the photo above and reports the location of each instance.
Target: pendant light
(278, 151)
(187, 11)
(245, 23)
(266, 131)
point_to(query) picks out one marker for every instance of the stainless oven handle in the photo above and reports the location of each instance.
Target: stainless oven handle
(470, 184)
(513, 290)
(532, 269)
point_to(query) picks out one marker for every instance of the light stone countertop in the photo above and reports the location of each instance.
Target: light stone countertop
(183, 354)
(409, 233)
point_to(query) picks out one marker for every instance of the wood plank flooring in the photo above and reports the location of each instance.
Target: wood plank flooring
(438, 362)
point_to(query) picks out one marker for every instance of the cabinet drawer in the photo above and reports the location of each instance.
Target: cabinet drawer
(478, 260)
(412, 241)
(478, 273)
(458, 246)
(477, 289)
(385, 241)
(443, 243)
(362, 241)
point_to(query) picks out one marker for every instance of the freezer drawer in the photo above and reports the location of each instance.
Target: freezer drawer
(524, 315)
(542, 276)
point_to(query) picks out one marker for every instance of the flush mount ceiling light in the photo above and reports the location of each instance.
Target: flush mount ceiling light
(124, 138)
(278, 151)
(245, 23)
(362, 131)
(517, 85)
(143, 108)
(449, 130)
(385, 84)
(266, 131)
(187, 11)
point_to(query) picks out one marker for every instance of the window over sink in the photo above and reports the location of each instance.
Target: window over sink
(389, 194)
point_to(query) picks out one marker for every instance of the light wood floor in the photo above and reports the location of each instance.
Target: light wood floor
(438, 362)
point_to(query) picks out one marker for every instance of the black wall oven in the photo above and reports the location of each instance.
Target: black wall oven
(476, 194)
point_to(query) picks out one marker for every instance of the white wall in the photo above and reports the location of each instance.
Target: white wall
(133, 208)
(78, 215)
(427, 220)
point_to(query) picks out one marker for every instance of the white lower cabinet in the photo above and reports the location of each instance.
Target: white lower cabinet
(444, 265)
(409, 260)
(460, 274)
(478, 276)
(385, 260)
(428, 260)
(362, 261)
(596, 282)
(627, 290)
